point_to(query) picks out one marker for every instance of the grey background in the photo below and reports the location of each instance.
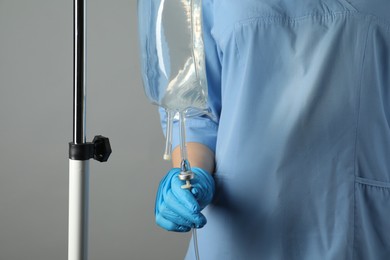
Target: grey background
(36, 126)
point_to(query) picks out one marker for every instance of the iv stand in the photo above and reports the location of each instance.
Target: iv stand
(80, 151)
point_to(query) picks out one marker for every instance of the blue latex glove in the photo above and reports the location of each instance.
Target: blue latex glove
(179, 209)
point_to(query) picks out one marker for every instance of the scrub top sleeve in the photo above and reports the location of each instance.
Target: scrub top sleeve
(202, 129)
(199, 129)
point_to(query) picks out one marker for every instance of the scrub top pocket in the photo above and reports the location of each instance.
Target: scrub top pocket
(372, 220)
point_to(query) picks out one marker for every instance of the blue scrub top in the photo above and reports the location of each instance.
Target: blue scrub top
(301, 91)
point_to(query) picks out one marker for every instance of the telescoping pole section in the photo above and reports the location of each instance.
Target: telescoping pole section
(79, 68)
(80, 151)
(78, 169)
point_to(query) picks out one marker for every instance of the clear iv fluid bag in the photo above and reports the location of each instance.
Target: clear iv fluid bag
(172, 54)
(173, 64)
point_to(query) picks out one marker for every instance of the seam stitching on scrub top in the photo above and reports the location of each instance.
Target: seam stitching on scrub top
(227, 33)
(236, 47)
(350, 5)
(360, 83)
(354, 221)
(291, 20)
(360, 86)
(372, 183)
(378, 20)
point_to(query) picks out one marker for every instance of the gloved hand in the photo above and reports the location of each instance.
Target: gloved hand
(179, 209)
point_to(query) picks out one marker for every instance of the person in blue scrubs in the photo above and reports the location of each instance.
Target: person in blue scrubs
(300, 153)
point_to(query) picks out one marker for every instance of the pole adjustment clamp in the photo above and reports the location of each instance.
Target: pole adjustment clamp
(99, 149)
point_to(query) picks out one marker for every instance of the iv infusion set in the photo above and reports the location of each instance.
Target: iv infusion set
(173, 68)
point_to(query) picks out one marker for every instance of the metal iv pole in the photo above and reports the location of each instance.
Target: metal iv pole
(80, 151)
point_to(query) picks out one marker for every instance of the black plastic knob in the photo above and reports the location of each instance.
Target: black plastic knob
(102, 148)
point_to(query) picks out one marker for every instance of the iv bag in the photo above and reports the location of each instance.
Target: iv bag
(172, 54)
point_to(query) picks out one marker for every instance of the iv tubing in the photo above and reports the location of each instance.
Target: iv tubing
(183, 148)
(168, 142)
(185, 163)
(195, 238)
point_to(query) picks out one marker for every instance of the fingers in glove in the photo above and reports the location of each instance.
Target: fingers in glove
(186, 212)
(185, 196)
(170, 215)
(169, 225)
